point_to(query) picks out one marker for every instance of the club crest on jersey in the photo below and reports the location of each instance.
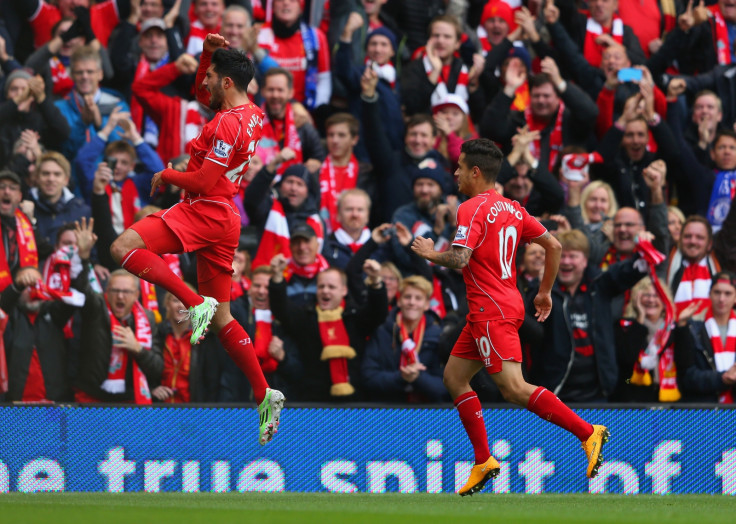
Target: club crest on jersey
(222, 149)
(462, 233)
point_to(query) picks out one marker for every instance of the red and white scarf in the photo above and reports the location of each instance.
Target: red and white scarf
(346, 240)
(309, 271)
(264, 334)
(124, 204)
(270, 142)
(385, 72)
(592, 51)
(333, 180)
(27, 252)
(60, 78)
(723, 44)
(336, 350)
(275, 238)
(694, 286)
(722, 355)
(411, 344)
(115, 381)
(441, 90)
(555, 136)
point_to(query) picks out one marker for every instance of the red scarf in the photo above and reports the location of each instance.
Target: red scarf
(60, 78)
(56, 283)
(593, 51)
(441, 90)
(722, 355)
(694, 286)
(555, 136)
(149, 299)
(271, 139)
(27, 252)
(336, 349)
(722, 43)
(136, 111)
(437, 301)
(386, 72)
(333, 180)
(521, 98)
(309, 271)
(411, 344)
(177, 364)
(264, 335)
(124, 204)
(346, 240)
(275, 238)
(115, 382)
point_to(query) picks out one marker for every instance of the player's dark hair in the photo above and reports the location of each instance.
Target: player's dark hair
(484, 154)
(419, 119)
(234, 63)
(274, 71)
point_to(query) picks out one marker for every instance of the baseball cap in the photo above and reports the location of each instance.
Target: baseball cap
(6, 174)
(302, 230)
(450, 99)
(151, 23)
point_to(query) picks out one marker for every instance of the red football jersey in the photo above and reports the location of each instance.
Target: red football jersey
(229, 140)
(493, 227)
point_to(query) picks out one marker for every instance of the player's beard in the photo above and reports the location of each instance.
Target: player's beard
(217, 95)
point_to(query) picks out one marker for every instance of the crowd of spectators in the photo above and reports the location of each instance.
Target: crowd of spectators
(618, 123)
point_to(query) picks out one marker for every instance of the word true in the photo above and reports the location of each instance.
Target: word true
(343, 476)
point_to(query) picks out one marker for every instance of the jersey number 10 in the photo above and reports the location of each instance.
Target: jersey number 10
(506, 251)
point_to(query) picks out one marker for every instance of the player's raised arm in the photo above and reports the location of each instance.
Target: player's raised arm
(455, 258)
(212, 42)
(552, 250)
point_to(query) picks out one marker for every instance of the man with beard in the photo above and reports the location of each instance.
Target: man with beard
(206, 221)
(427, 215)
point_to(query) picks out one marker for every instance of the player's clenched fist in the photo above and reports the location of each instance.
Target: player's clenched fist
(422, 246)
(214, 41)
(158, 180)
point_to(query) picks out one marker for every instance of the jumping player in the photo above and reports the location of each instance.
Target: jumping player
(489, 231)
(207, 221)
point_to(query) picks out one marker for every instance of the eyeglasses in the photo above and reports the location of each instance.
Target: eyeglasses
(619, 225)
(12, 187)
(126, 292)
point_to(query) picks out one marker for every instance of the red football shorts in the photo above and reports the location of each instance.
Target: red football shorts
(211, 228)
(491, 342)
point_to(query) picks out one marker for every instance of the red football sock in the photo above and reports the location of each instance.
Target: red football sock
(238, 345)
(471, 415)
(546, 405)
(150, 267)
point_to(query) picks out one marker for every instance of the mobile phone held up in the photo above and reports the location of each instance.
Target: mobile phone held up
(111, 163)
(629, 74)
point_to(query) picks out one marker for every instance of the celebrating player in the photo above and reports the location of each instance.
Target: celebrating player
(207, 221)
(489, 230)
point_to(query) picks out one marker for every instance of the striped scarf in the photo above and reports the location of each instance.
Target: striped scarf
(411, 343)
(264, 334)
(441, 90)
(333, 180)
(336, 350)
(275, 238)
(271, 140)
(722, 355)
(593, 51)
(694, 286)
(555, 136)
(26, 244)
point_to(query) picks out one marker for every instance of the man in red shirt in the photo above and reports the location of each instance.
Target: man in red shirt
(490, 229)
(207, 221)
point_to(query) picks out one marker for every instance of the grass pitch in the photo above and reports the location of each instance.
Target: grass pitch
(323, 508)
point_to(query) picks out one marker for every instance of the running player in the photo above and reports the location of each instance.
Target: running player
(489, 230)
(207, 221)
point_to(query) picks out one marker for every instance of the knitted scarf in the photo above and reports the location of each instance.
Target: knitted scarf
(657, 352)
(346, 240)
(593, 51)
(555, 136)
(309, 271)
(722, 43)
(115, 381)
(722, 355)
(694, 286)
(27, 252)
(275, 238)
(336, 350)
(264, 334)
(333, 180)
(442, 89)
(271, 139)
(411, 343)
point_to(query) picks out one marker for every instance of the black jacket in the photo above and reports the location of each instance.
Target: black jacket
(301, 324)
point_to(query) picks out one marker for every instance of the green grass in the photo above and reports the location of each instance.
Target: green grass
(322, 508)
